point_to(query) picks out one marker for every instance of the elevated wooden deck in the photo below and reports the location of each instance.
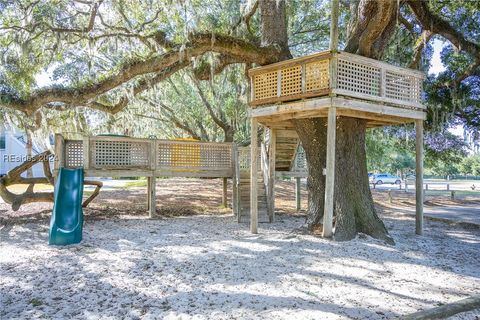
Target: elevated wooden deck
(124, 156)
(356, 86)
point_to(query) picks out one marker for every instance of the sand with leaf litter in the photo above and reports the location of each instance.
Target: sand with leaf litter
(210, 267)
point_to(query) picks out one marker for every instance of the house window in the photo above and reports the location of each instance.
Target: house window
(2, 141)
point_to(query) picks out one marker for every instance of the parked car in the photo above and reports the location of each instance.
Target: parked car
(381, 178)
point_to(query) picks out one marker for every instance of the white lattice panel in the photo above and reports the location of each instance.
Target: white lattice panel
(73, 153)
(357, 77)
(119, 154)
(265, 85)
(317, 75)
(291, 83)
(193, 156)
(402, 87)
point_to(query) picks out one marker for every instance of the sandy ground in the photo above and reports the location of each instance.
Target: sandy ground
(210, 267)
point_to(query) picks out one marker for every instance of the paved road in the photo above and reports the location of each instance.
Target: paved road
(465, 213)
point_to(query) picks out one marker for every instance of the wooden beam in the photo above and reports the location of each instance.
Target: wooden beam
(271, 173)
(59, 152)
(253, 175)
(313, 104)
(377, 108)
(298, 194)
(419, 177)
(224, 193)
(334, 25)
(330, 173)
(235, 180)
(151, 190)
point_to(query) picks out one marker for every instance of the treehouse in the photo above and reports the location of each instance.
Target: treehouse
(331, 84)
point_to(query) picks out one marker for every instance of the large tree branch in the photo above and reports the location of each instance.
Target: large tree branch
(430, 21)
(209, 107)
(180, 56)
(437, 25)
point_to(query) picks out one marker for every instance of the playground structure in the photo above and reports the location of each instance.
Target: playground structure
(329, 84)
(116, 156)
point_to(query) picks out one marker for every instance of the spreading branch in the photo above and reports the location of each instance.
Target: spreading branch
(161, 65)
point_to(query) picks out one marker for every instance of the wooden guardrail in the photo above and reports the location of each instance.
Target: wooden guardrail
(105, 155)
(336, 73)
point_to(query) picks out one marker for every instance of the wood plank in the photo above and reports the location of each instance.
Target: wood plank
(253, 176)
(294, 97)
(369, 97)
(271, 173)
(365, 106)
(330, 174)
(59, 152)
(224, 193)
(312, 104)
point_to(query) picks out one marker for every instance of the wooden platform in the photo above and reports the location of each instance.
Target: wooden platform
(356, 86)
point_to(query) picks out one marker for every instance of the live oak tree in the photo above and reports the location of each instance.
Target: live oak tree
(107, 53)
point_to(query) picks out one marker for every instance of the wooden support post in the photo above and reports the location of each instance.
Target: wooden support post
(59, 152)
(235, 181)
(419, 195)
(224, 194)
(334, 25)
(406, 185)
(298, 195)
(330, 173)
(254, 175)
(151, 196)
(271, 174)
(86, 153)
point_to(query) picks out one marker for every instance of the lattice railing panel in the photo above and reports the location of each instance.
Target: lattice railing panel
(73, 153)
(193, 156)
(291, 81)
(317, 75)
(358, 77)
(265, 85)
(244, 156)
(403, 87)
(119, 154)
(300, 159)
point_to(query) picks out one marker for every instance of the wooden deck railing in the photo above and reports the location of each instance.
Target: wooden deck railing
(342, 74)
(105, 155)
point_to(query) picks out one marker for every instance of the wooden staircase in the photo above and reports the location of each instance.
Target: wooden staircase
(286, 147)
(245, 198)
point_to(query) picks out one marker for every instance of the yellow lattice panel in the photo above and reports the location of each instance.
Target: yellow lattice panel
(265, 85)
(193, 156)
(291, 81)
(317, 75)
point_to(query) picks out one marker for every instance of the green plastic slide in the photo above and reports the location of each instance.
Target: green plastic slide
(67, 218)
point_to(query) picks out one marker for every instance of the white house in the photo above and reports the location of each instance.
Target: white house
(13, 151)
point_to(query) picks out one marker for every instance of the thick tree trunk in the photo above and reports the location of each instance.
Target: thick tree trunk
(273, 17)
(354, 208)
(311, 132)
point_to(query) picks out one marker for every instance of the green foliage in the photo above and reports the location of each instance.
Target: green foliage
(470, 165)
